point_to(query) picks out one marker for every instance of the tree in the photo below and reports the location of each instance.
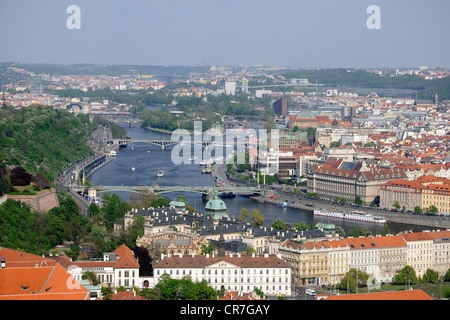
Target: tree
(433, 209)
(20, 177)
(352, 279)
(257, 218)
(114, 208)
(279, 224)
(396, 205)
(93, 210)
(145, 261)
(244, 215)
(405, 275)
(417, 209)
(357, 232)
(207, 249)
(447, 275)
(41, 181)
(89, 275)
(358, 200)
(160, 201)
(430, 275)
(184, 289)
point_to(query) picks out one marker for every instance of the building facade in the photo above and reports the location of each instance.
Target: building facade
(268, 273)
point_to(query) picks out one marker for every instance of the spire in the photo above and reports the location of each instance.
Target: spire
(221, 244)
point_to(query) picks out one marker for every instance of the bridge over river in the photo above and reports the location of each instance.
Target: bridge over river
(206, 192)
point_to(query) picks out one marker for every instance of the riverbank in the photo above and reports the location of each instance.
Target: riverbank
(301, 202)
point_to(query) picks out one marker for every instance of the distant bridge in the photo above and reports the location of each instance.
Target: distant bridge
(207, 191)
(163, 143)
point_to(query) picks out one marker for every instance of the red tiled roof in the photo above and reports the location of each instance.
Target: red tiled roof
(201, 261)
(40, 283)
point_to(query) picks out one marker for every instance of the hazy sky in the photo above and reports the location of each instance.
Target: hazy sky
(301, 33)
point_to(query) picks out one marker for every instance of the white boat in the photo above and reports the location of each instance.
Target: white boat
(282, 204)
(113, 153)
(192, 158)
(133, 169)
(355, 216)
(160, 173)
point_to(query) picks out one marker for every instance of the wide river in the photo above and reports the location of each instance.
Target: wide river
(148, 159)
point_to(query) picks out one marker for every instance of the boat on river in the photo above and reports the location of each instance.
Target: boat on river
(355, 216)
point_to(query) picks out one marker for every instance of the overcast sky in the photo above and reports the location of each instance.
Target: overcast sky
(301, 33)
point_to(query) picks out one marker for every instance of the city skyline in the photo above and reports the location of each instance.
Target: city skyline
(284, 33)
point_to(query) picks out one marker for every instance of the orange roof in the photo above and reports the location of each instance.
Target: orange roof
(361, 243)
(40, 283)
(390, 241)
(389, 295)
(416, 236)
(442, 234)
(19, 259)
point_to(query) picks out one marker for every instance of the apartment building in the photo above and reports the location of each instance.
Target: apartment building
(424, 192)
(316, 262)
(379, 256)
(441, 251)
(391, 256)
(438, 196)
(363, 254)
(419, 253)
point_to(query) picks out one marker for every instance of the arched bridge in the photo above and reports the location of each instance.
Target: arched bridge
(164, 143)
(207, 191)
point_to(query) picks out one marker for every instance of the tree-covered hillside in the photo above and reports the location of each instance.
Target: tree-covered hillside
(42, 139)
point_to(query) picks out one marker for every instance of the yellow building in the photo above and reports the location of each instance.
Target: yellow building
(438, 196)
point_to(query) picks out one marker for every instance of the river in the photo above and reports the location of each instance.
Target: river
(148, 159)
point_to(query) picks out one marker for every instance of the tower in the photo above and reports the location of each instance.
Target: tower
(221, 251)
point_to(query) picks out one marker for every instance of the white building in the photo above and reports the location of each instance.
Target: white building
(268, 273)
(230, 88)
(364, 255)
(118, 268)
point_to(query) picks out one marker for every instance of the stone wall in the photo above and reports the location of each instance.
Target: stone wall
(42, 202)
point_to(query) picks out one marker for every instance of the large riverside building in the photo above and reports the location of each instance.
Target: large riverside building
(337, 178)
(424, 192)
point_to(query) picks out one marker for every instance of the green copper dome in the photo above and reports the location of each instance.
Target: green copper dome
(216, 207)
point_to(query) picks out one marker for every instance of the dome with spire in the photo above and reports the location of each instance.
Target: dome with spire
(216, 208)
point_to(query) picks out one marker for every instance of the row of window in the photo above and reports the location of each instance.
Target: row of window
(219, 271)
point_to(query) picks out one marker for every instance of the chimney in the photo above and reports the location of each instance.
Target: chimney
(3, 263)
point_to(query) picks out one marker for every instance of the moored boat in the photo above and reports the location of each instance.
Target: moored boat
(355, 216)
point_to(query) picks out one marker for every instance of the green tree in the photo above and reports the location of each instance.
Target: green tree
(358, 200)
(405, 275)
(184, 289)
(114, 207)
(207, 249)
(352, 279)
(417, 209)
(257, 218)
(396, 205)
(433, 209)
(279, 224)
(244, 215)
(89, 275)
(430, 275)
